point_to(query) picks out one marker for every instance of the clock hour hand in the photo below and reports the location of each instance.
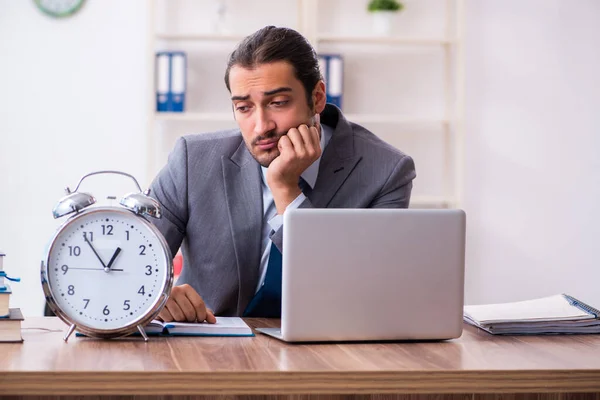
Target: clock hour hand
(94, 250)
(112, 260)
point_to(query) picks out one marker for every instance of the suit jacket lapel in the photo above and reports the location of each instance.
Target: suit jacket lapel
(338, 160)
(241, 175)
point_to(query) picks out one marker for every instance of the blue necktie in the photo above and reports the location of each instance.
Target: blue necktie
(304, 186)
(266, 303)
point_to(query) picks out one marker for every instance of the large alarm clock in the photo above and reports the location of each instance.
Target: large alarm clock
(108, 270)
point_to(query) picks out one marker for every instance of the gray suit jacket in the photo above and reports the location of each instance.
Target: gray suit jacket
(211, 197)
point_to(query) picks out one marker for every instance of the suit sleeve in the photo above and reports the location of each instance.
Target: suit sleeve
(170, 189)
(395, 193)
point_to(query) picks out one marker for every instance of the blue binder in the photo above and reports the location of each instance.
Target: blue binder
(332, 68)
(178, 81)
(163, 67)
(171, 71)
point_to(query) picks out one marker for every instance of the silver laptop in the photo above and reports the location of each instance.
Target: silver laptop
(372, 274)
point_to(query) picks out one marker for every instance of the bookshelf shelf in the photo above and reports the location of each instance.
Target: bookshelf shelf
(394, 119)
(323, 38)
(383, 40)
(432, 201)
(194, 116)
(199, 37)
(358, 118)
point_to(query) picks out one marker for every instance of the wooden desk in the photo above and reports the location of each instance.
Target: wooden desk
(477, 365)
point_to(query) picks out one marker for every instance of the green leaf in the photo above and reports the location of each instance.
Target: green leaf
(385, 5)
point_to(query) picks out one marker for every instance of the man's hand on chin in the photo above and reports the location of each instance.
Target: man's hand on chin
(297, 151)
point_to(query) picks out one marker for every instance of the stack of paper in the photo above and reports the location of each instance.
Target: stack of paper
(549, 315)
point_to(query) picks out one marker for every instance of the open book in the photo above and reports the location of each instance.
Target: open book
(225, 326)
(560, 313)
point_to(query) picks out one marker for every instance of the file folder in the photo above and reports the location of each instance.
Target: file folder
(163, 61)
(178, 81)
(171, 71)
(332, 68)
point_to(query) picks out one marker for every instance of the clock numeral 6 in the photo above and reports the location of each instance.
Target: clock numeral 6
(106, 311)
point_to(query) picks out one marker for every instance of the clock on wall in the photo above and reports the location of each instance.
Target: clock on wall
(59, 8)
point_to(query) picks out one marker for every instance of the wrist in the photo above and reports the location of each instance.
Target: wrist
(284, 196)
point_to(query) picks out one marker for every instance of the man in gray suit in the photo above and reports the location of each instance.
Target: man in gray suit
(223, 194)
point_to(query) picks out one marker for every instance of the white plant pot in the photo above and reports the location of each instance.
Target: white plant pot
(383, 22)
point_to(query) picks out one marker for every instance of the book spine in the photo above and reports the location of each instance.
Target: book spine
(178, 81)
(582, 306)
(163, 71)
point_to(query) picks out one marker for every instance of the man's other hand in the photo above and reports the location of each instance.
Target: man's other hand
(186, 305)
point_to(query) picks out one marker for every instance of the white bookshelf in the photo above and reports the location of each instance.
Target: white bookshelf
(433, 201)
(357, 118)
(450, 124)
(199, 37)
(193, 116)
(401, 41)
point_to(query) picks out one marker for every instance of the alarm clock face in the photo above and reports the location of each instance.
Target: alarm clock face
(108, 269)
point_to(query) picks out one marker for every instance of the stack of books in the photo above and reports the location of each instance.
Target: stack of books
(558, 314)
(10, 318)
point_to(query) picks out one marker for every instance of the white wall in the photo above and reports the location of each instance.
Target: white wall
(532, 168)
(73, 101)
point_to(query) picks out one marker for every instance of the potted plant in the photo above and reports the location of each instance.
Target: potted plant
(382, 12)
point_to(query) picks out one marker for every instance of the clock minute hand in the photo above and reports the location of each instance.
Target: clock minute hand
(95, 252)
(112, 260)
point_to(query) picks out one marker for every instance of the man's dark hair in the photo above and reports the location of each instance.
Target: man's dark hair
(271, 44)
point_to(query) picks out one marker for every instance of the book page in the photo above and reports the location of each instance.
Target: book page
(552, 308)
(222, 322)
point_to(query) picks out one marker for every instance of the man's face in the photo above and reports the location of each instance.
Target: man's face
(267, 102)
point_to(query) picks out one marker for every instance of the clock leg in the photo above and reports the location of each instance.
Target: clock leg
(69, 332)
(143, 332)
